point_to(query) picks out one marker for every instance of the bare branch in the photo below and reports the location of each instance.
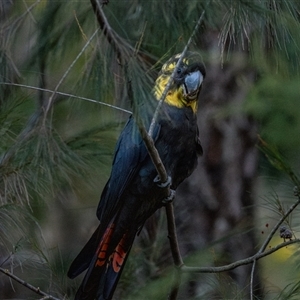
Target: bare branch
(27, 285)
(153, 153)
(123, 49)
(68, 95)
(173, 236)
(252, 280)
(118, 44)
(174, 246)
(268, 239)
(238, 263)
(276, 227)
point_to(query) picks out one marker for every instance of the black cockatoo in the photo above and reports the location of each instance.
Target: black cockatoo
(132, 193)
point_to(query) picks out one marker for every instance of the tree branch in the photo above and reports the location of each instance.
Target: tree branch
(27, 285)
(269, 237)
(238, 263)
(173, 236)
(174, 246)
(67, 95)
(123, 49)
(276, 227)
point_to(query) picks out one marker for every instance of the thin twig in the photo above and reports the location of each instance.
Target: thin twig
(164, 94)
(27, 285)
(50, 101)
(153, 153)
(123, 49)
(276, 227)
(238, 263)
(174, 245)
(268, 239)
(252, 280)
(173, 236)
(68, 95)
(114, 39)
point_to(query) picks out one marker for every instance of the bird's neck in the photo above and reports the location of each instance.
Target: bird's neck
(176, 99)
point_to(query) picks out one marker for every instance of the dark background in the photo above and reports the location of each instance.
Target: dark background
(56, 150)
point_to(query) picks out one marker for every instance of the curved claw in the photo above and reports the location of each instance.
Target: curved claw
(162, 184)
(166, 184)
(170, 198)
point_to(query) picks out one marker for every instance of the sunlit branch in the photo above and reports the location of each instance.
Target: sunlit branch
(268, 239)
(276, 227)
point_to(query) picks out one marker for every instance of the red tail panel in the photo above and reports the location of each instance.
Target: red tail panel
(102, 277)
(103, 246)
(119, 255)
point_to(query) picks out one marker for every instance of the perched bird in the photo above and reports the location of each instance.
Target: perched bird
(133, 192)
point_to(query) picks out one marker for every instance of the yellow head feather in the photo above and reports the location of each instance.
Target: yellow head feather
(175, 96)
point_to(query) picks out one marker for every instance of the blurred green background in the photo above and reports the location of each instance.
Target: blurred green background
(56, 149)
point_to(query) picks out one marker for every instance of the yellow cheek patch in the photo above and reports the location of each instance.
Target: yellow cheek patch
(174, 97)
(160, 85)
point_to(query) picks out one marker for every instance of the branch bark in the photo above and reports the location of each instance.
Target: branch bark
(268, 239)
(67, 95)
(27, 285)
(238, 263)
